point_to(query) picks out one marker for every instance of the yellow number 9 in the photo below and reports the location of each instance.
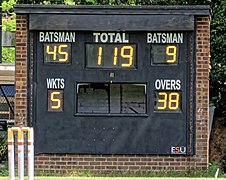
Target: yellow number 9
(129, 56)
(171, 51)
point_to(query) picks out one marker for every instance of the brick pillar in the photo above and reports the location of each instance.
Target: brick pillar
(202, 90)
(21, 71)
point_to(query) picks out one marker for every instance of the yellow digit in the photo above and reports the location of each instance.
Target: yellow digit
(99, 60)
(129, 56)
(115, 56)
(163, 100)
(173, 101)
(52, 52)
(63, 53)
(54, 99)
(173, 53)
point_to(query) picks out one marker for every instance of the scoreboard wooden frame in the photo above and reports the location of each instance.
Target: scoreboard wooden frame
(112, 80)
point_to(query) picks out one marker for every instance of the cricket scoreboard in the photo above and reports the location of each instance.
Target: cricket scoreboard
(111, 80)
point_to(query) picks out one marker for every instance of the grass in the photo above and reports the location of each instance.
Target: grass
(112, 178)
(189, 174)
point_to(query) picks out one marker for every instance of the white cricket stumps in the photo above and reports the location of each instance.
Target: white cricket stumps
(11, 156)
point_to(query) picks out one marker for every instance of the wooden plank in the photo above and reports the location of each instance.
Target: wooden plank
(111, 22)
(151, 10)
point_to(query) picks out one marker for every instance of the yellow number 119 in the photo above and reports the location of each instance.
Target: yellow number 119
(126, 52)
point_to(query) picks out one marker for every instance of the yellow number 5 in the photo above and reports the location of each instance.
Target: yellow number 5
(63, 53)
(56, 100)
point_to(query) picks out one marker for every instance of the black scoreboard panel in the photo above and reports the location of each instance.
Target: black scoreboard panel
(128, 97)
(103, 91)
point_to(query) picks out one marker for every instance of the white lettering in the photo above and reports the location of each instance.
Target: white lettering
(96, 35)
(41, 37)
(124, 38)
(104, 37)
(157, 84)
(154, 40)
(163, 84)
(49, 84)
(178, 150)
(62, 83)
(51, 36)
(67, 37)
(159, 35)
(149, 38)
(180, 38)
(118, 38)
(167, 84)
(178, 85)
(55, 83)
(61, 37)
(169, 38)
(164, 37)
(57, 36)
(173, 83)
(175, 38)
(47, 38)
(110, 37)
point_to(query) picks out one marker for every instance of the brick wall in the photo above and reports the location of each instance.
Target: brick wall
(70, 162)
(202, 90)
(21, 71)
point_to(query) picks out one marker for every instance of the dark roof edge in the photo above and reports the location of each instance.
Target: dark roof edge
(66, 9)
